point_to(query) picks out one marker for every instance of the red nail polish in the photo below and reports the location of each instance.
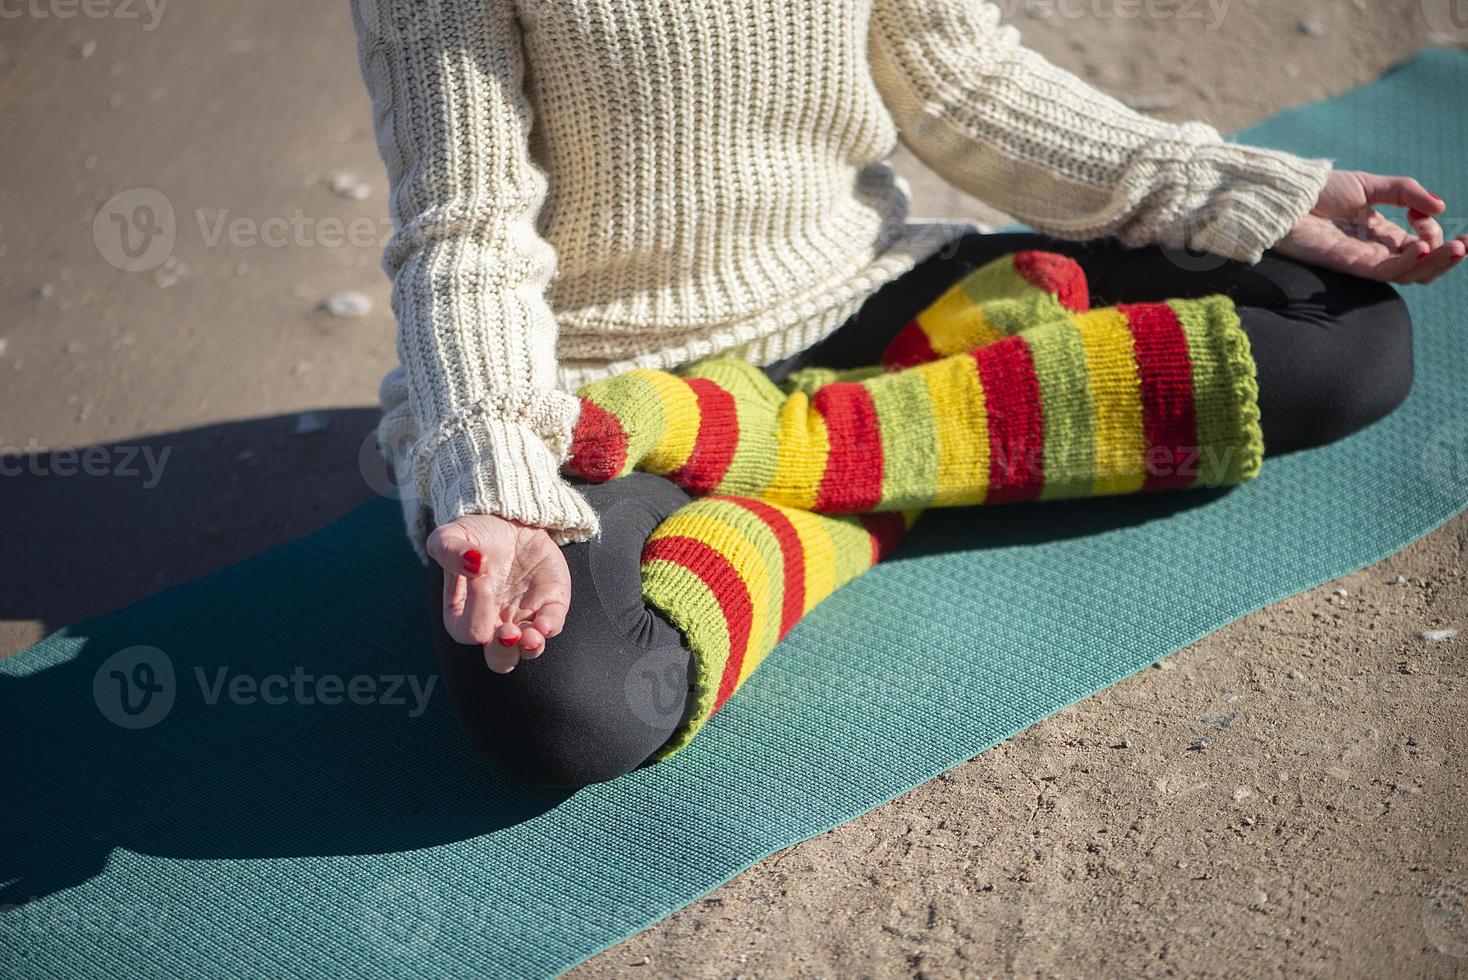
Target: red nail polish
(506, 641)
(472, 562)
(1415, 215)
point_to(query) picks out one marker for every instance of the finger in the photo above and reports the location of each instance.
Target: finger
(507, 635)
(532, 644)
(1426, 227)
(500, 659)
(1403, 192)
(455, 609)
(1385, 231)
(450, 546)
(1450, 267)
(481, 611)
(551, 618)
(1437, 264)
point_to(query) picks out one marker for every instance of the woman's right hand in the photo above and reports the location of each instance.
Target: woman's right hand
(506, 586)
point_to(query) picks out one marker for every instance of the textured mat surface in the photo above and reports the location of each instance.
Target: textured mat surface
(237, 822)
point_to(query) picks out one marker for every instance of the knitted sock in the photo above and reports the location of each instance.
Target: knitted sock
(734, 574)
(1008, 295)
(652, 419)
(1147, 396)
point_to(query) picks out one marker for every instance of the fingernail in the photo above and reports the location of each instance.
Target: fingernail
(472, 562)
(1414, 215)
(507, 641)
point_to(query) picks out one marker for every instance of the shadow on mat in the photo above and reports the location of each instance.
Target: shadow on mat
(224, 773)
(86, 534)
(180, 728)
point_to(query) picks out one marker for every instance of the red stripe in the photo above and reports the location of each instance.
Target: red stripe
(1169, 419)
(598, 443)
(1058, 274)
(729, 590)
(1016, 421)
(887, 529)
(792, 605)
(908, 348)
(852, 482)
(718, 435)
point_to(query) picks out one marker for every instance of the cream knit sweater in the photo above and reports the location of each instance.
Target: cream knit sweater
(583, 186)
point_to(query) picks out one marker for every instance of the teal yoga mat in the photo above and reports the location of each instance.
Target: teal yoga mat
(230, 835)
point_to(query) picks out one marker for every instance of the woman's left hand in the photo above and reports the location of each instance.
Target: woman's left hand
(1346, 233)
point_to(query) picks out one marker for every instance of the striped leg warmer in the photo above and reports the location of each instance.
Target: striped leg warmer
(1148, 396)
(734, 574)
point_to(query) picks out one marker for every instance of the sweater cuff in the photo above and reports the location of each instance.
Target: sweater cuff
(483, 464)
(1261, 196)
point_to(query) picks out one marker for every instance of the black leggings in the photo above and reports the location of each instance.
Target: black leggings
(1334, 354)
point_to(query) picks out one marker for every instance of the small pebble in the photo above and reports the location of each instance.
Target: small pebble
(1121, 743)
(4, 345)
(44, 291)
(640, 962)
(1163, 665)
(1437, 636)
(347, 185)
(309, 423)
(1342, 593)
(347, 306)
(1312, 27)
(86, 49)
(1411, 740)
(1400, 580)
(1258, 898)
(1199, 745)
(1247, 821)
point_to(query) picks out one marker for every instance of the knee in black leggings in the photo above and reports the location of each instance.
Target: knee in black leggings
(609, 689)
(1330, 363)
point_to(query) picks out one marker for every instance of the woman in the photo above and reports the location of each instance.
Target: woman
(585, 190)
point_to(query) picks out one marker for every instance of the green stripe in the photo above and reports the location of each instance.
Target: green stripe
(635, 403)
(756, 405)
(909, 440)
(732, 515)
(1225, 392)
(1065, 397)
(689, 605)
(853, 545)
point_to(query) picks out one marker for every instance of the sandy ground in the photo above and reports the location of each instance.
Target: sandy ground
(1321, 831)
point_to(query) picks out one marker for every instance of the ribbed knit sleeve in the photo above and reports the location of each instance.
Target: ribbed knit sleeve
(1005, 125)
(476, 336)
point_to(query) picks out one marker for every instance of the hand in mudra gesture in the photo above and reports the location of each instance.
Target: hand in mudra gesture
(1344, 232)
(506, 586)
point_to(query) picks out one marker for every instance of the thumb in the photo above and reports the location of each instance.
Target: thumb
(455, 550)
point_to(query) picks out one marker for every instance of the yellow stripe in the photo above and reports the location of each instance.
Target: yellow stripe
(961, 425)
(801, 457)
(1116, 394)
(731, 541)
(819, 553)
(680, 429)
(955, 324)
